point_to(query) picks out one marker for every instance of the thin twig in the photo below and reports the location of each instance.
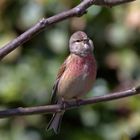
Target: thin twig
(68, 104)
(77, 11)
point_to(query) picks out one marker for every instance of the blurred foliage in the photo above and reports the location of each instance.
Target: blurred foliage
(27, 74)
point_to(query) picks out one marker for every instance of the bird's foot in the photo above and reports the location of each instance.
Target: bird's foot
(64, 104)
(78, 102)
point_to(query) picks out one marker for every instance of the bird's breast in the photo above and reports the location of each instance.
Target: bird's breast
(78, 78)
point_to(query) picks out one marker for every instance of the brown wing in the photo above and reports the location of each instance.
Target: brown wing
(60, 73)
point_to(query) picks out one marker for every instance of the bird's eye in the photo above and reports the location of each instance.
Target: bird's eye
(78, 40)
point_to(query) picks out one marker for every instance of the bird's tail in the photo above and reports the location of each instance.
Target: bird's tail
(55, 122)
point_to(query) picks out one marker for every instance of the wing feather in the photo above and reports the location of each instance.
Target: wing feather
(59, 75)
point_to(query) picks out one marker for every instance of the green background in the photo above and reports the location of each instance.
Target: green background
(28, 73)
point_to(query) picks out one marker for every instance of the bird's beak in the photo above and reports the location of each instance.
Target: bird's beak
(86, 41)
(86, 44)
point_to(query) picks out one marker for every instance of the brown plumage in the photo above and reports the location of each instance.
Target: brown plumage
(76, 75)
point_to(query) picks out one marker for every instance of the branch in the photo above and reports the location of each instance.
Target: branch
(68, 104)
(111, 2)
(77, 11)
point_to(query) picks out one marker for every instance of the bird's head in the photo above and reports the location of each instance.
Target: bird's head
(80, 44)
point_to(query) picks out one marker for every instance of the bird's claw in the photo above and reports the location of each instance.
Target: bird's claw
(78, 102)
(64, 104)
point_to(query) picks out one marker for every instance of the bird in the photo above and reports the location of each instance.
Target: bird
(75, 77)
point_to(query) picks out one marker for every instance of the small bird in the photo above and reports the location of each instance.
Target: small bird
(76, 76)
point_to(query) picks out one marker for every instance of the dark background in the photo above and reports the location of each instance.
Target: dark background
(28, 73)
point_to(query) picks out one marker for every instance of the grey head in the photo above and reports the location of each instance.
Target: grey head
(81, 44)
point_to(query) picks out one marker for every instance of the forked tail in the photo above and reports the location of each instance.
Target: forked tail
(55, 122)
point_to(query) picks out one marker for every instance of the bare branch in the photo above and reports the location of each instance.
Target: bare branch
(68, 105)
(77, 11)
(111, 2)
